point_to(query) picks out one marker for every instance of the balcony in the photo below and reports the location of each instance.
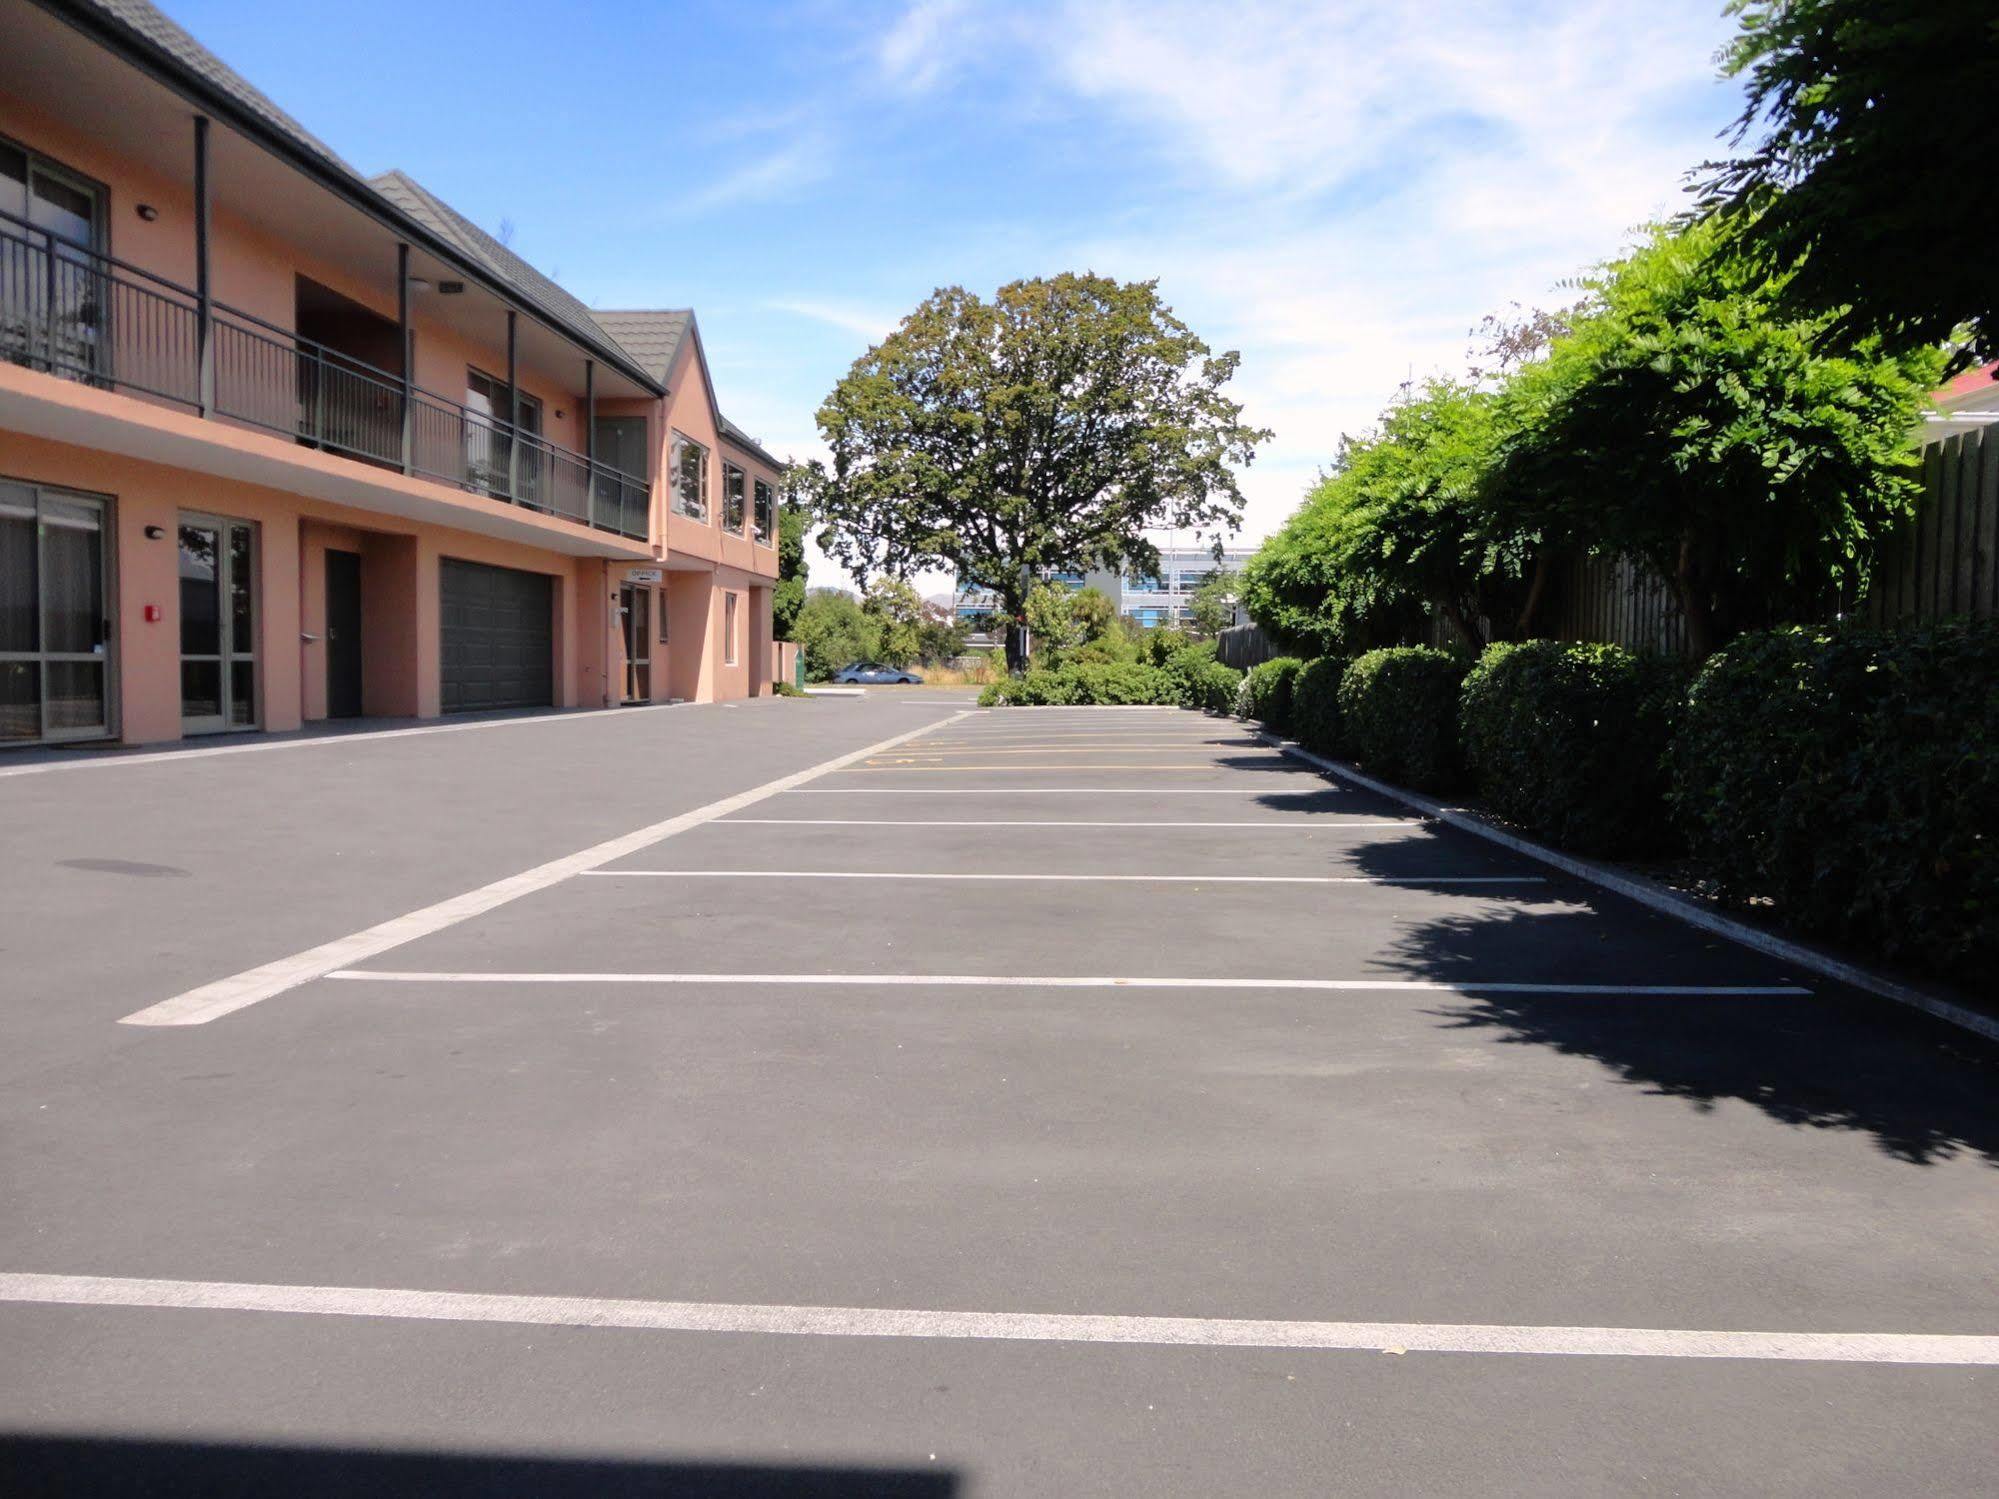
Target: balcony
(90, 318)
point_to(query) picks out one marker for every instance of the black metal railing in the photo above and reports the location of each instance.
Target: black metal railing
(91, 318)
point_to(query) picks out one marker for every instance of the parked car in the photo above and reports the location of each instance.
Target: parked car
(874, 674)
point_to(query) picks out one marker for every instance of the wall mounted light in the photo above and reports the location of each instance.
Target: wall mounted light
(156, 533)
(147, 212)
(417, 283)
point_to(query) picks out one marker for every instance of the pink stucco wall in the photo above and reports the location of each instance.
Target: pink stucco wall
(400, 557)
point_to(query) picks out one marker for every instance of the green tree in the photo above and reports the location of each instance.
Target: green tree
(1044, 430)
(1052, 626)
(1212, 607)
(897, 610)
(1865, 120)
(788, 597)
(1750, 457)
(942, 634)
(833, 631)
(1401, 527)
(1094, 613)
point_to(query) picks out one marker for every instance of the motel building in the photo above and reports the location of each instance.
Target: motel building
(282, 443)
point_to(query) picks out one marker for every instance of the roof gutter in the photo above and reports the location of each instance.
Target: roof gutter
(168, 70)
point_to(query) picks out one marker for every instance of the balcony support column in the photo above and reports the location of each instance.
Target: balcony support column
(204, 311)
(590, 413)
(513, 412)
(403, 343)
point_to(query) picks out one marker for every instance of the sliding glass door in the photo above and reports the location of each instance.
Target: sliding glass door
(55, 630)
(218, 625)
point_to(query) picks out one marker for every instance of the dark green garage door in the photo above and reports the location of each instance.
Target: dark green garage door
(499, 638)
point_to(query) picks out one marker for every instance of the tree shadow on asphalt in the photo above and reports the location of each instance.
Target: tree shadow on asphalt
(1835, 1060)
(107, 1466)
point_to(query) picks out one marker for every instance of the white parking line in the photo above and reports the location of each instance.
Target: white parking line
(1068, 981)
(1134, 879)
(225, 996)
(1289, 825)
(1322, 790)
(1031, 1327)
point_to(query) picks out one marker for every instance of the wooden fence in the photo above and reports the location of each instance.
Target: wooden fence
(1945, 558)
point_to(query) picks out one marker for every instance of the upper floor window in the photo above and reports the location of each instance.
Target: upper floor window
(63, 205)
(690, 478)
(733, 479)
(765, 518)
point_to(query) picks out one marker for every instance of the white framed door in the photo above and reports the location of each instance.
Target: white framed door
(218, 624)
(55, 615)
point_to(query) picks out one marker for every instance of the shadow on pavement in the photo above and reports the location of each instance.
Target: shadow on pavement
(115, 1467)
(1836, 1060)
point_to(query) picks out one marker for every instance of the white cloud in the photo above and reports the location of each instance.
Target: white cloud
(776, 174)
(869, 323)
(1338, 188)
(1363, 182)
(925, 43)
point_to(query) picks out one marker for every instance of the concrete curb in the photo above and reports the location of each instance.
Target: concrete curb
(1658, 897)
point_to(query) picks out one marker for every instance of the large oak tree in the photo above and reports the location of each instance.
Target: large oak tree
(1045, 430)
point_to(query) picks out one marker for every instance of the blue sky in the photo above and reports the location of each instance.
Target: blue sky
(1339, 190)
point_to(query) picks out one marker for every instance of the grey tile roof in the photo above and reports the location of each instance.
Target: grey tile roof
(653, 338)
(749, 444)
(150, 24)
(486, 252)
(134, 23)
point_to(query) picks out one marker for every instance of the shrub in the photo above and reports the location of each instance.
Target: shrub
(1199, 680)
(1315, 705)
(1157, 647)
(1211, 688)
(1572, 741)
(787, 689)
(1270, 692)
(1083, 683)
(1852, 777)
(1399, 714)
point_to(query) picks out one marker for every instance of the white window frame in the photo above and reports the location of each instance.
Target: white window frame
(681, 443)
(737, 471)
(764, 535)
(730, 614)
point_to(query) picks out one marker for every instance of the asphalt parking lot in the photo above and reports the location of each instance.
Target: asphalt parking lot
(875, 1096)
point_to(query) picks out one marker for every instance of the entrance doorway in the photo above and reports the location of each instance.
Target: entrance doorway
(55, 633)
(635, 606)
(343, 634)
(218, 625)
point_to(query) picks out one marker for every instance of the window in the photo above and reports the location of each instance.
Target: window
(690, 478)
(53, 199)
(488, 440)
(765, 519)
(49, 210)
(732, 498)
(729, 629)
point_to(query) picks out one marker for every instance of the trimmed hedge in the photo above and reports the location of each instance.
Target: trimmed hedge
(1084, 683)
(1851, 776)
(1315, 705)
(1270, 692)
(1399, 714)
(1572, 741)
(1200, 681)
